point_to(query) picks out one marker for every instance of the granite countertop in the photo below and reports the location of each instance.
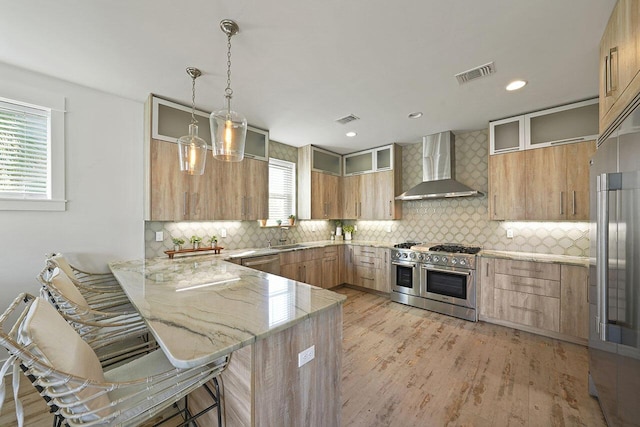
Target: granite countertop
(200, 308)
(254, 252)
(530, 256)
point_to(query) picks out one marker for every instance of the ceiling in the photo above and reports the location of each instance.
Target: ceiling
(298, 66)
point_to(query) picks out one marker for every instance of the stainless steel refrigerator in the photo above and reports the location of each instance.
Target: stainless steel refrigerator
(614, 276)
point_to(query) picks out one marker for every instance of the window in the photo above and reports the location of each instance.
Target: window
(32, 154)
(282, 190)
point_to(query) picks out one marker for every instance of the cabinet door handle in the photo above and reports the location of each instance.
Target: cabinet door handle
(613, 69)
(194, 202)
(607, 76)
(184, 204)
(495, 205)
(487, 270)
(561, 203)
(390, 213)
(573, 202)
(360, 205)
(249, 207)
(356, 208)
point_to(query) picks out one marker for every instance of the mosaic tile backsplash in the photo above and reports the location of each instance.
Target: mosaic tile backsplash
(461, 220)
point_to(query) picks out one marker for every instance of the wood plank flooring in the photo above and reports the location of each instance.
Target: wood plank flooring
(407, 367)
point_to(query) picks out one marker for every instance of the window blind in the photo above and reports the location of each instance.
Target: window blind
(282, 189)
(24, 151)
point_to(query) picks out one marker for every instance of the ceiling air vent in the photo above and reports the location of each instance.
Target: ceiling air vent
(476, 73)
(347, 119)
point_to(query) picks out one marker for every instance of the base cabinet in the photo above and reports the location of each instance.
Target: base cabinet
(370, 268)
(315, 266)
(545, 298)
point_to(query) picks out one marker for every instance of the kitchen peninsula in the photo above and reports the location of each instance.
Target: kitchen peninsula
(201, 308)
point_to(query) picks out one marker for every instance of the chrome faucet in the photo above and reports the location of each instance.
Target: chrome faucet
(269, 243)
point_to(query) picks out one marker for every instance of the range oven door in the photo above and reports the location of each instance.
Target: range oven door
(405, 277)
(449, 284)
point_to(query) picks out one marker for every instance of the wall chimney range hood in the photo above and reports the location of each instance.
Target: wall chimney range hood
(438, 170)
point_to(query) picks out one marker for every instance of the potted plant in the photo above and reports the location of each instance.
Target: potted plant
(214, 241)
(338, 228)
(348, 229)
(195, 241)
(262, 222)
(292, 219)
(177, 243)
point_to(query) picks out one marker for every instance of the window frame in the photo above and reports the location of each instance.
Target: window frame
(26, 96)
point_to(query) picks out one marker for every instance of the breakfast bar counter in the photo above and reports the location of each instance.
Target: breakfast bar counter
(202, 308)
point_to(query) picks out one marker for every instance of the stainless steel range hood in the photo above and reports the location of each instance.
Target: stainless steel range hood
(438, 170)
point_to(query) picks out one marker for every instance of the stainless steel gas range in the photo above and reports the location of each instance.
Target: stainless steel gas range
(440, 278)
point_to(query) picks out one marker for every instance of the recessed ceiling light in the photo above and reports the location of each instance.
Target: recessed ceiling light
(415, 115)
(516, 84)
(351, 134)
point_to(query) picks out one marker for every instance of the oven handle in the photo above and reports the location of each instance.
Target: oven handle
(407, 264)
(459, 273)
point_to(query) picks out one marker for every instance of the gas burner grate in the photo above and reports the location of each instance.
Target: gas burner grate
(406, 245)
(456, 249)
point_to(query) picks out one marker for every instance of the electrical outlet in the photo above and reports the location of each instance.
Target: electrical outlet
(159, 236)
(509, 233)
(223, 232)
(306, 356)
(355, 228)
(313, 227)
(388, 228)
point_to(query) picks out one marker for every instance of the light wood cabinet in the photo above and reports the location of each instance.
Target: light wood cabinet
(370, 268)
(326, 200)
(372, 195)
(315, 266)
(507, 183)
(557, 185)
(545, 298)
(243, 192)
(619, 61)
(547, 184)
(330, 267)
(319, 195)
(574, 315)
(175, 196)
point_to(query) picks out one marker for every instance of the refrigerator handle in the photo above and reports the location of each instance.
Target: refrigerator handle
(602, 254)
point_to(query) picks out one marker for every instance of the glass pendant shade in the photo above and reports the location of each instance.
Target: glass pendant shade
(228, 134)
(192, 151)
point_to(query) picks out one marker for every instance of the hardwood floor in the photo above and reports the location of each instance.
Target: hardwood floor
(406, 367)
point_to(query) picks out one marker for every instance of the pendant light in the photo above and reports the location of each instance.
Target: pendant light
(191, 148)
(228, 128)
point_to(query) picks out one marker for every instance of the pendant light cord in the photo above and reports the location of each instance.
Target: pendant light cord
(228, 91)
(193, 100)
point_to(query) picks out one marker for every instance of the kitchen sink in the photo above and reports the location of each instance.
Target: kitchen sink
(292, 246)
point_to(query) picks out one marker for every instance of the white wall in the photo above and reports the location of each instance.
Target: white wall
(104, 187)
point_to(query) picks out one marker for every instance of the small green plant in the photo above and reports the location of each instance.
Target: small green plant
(195, 239)
(279, 222)
(293, 217)
(348, 229)
(178, 241)
(337, 223)
(213, 240)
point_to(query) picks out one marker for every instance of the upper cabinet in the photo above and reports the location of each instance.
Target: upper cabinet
(257, 144)
(318, 183)
(506, 135)
(226, 191)
(170, 121)
(374, 160)
(324, 161)
(560, 125)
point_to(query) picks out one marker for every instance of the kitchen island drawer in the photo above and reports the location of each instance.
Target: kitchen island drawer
(527, 309)
(365, 276)
(537, 270)
(528, 285)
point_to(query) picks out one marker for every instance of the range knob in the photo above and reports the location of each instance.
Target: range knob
(454, 261)
(420, 257)
(404, 255)
(427, 258)
(444, 259)
(398, 255)
(436, 258)
(412, 255)
(463, 261)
